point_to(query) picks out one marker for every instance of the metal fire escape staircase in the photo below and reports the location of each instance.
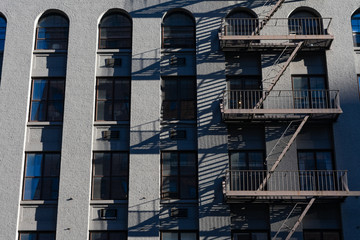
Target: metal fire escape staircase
(268, 15)
(279, 150)
(284, 226)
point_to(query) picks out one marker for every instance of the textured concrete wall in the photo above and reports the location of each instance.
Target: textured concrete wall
(78, 138)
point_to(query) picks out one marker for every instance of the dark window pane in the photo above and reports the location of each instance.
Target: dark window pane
(188, 236)
(55, 111)
(170, 110)
(101, 188)
(119, 188)
(188, 187)
(115, 32)
(105, 89)
(46, 236)
(238, 161)
(242, 236)
(98, 236)
(50, 188)
(104, 111)
(122, 90)
(117, 236)
(102, 163)
(169, 236)
(119, 164)
(187, 164)
(170, 89)
(312, 236)
(187, 110)
(170, 187)
(56, 90)
(52, 165)
(121, 111)
(259, 236)
(331, 236)
(32, 189)
(169, 164)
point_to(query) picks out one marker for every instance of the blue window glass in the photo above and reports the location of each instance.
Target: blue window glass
(47, 99)
(355, 23)
(37, 236)
(52, 32)
(41, 177)
(2, 33)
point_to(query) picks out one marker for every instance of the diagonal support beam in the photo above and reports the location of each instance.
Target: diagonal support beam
(288, 145)
(280, 73)
(268, 17)
(300, 219)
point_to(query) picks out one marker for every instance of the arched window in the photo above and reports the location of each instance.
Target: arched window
(304, 22)
(2, 39)
(355, 23)
(2, 33)
(178, 30)
(52, 32)
(115, 31)
(240, 23)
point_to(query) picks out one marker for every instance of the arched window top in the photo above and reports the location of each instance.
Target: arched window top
(241, 13)
(115, 19)
(178, 18)
(53, 20)
(355, 24)
(2, 33)
(178, 30)
(52, 32)
(115, 31)
(304, 13)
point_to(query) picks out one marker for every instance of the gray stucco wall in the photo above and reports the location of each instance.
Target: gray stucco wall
(77, 136)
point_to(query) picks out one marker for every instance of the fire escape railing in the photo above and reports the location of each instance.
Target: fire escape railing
(275, 26)
(242, 100)
(306, 180)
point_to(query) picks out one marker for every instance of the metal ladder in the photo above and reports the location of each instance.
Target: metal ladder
(296, 225)
(279, 73)
(268, 15)
(284, 148)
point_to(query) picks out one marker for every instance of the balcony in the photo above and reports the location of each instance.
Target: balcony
(280, 104)
(252, 33)
(291, 184)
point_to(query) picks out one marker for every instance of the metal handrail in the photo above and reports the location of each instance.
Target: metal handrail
(277, 26)
(301, 180)
(282, 99)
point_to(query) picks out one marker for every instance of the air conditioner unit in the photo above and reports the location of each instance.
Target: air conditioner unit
(110, 134)
(108, 213)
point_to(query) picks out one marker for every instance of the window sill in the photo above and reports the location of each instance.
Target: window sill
(107, 123)
(42, 51)
(99, 51)
(172, 50)
(178, 201)
(103, 202)
(185, 122)
(38, 202)
(44, 124)
(357, 50)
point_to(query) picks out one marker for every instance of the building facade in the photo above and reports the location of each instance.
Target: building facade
(179, 120)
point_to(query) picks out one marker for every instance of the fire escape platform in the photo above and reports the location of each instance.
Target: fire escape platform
(239, 194)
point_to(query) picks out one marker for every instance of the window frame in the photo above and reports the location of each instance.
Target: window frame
(179, 99)
(356, 34)
(65, 40)
(46, 101)
(113, 100)
(110, 176)
(179, 176)
(36, 233)
(175, 29)
(107, 233)
(179, 233)
(322, 231)
(250, 232)
(41, 177)
(119, 28)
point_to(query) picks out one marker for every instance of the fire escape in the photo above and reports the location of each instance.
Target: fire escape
(286, 36)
